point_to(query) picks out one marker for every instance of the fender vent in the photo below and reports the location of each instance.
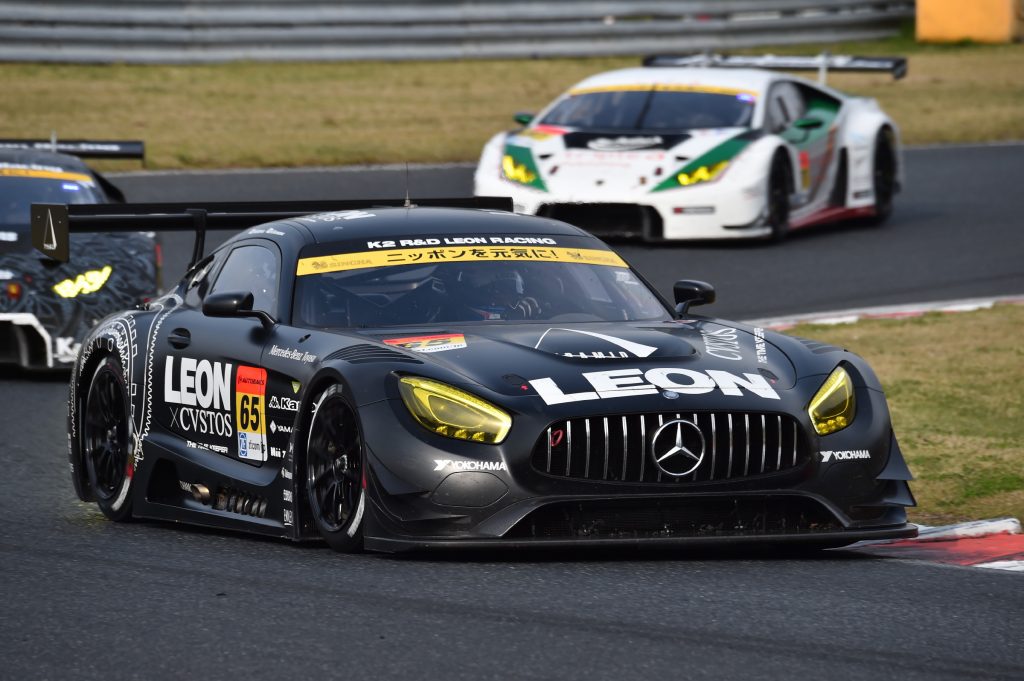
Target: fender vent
(362, 353)
(817, 347)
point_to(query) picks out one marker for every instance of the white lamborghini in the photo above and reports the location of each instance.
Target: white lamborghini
(703, 147)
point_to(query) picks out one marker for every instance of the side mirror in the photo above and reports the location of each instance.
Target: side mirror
(692, 292)
(235, 304)
(523, 117)
(809, 123)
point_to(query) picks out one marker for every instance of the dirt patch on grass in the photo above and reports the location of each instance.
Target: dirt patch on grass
(252, 115)
(954, 387)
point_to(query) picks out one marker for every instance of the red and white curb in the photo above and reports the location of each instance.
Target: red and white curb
(886, 312)
(996, 544)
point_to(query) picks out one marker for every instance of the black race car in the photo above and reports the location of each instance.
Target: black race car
(45, 310)
(395, 377)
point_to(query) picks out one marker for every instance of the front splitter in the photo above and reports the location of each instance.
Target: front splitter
(833, 539)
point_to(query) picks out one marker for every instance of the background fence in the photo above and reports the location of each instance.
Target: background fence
(169, 31)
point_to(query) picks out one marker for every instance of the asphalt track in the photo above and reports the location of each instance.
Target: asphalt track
(958, 232)
(84, 598)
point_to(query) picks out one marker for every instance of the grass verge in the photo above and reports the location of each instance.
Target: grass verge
(954, 387)
(295, 114)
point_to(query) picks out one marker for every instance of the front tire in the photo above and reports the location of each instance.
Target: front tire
(884, 176)
(334, 471)
(778, 198)
(107, 440)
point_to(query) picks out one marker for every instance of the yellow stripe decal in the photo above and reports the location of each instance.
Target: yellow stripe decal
(47, 174)
(433, 256)
(665, 87)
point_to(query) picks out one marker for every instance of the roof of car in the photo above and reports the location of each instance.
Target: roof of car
(40, 157)
(425, 222)
(417, 222)
(749, 80)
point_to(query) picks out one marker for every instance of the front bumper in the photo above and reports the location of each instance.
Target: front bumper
(26, 343)
(425, 492)
(714, 211)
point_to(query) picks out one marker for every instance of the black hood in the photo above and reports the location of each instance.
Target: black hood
(521, 359)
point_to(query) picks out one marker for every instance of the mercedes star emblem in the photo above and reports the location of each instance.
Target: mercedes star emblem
(677, 448)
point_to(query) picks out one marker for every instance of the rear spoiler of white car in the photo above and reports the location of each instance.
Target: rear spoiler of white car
(81, 148)
(822, 63)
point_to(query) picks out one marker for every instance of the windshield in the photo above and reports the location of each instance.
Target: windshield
(487, 292)
(652, 110)
(19, 192)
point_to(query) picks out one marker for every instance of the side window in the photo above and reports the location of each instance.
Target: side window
(251, 268)
(785, 107)
(197, 282)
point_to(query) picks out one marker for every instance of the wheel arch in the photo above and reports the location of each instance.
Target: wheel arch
(323, 379)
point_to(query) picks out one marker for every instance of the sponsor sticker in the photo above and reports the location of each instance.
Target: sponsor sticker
(637, 382)
(250, 413)
(844, 455)
(760, 349)
(285, 403)
(293, 354)
(202, 388)
(43, 172)
(449, 465)
(438, 254)
(436, 343)
(722, 343)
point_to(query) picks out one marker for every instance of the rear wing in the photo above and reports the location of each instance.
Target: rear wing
(822, 63)
(82, 148)
(53, 223)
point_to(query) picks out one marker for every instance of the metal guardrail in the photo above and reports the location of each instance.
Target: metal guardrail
(203, 31)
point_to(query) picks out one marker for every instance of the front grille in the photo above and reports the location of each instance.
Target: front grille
(618, 448)
(608, 219)
(690, 517)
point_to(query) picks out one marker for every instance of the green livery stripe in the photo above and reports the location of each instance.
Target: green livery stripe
(824, 109)
(525, 170)
(725, 151)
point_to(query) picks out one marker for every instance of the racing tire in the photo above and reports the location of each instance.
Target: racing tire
(334, 471)
(107, 437)
(884, 176)
(778, 199)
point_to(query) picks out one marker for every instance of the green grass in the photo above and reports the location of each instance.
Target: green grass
(294, 114)
(954, 389)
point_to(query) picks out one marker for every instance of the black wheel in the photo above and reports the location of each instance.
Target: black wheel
(884, 176)
(838, 197)
(107, 440)
(778, 198)
(334, 471)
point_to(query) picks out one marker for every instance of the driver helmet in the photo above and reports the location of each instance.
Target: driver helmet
(493, 291)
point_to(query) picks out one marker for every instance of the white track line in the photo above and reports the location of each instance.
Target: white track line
(884, 312)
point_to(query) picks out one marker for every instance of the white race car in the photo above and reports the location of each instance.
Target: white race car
(703, 147)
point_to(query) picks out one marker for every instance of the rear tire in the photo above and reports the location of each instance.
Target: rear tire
(334, 471)
(107, 437)
(778, 198)
(884, 176)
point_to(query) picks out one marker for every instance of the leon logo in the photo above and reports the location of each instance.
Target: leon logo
(636, 382)
(251, 413)
(201, 389)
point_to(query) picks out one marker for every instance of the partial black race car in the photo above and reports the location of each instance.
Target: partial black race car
(45, 310)
(395, 377)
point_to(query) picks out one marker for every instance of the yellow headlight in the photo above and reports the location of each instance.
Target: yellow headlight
(448, 411)
(517, 172)
(833, 407)
(702, 174)
(87, 282)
